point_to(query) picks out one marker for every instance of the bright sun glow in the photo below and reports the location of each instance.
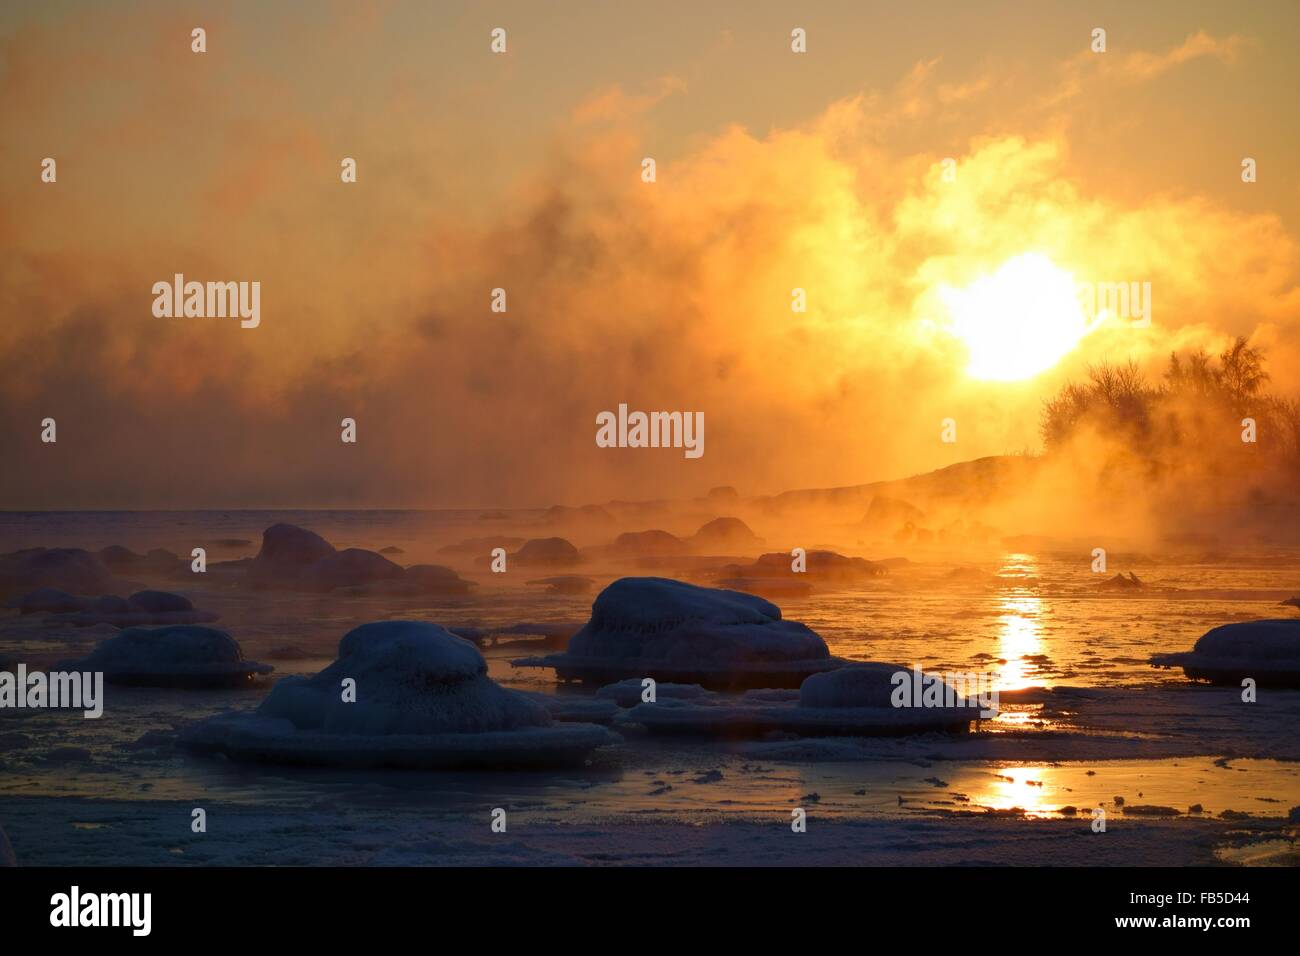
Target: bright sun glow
(1019, 321)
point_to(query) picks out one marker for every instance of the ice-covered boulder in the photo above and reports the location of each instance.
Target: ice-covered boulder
(545, 551)
(69, 569)
(286, 552)
(773, 573)
(48, 601)
(352, 567)
(725, 536)
(422, 699)
(297, 559)
(629, 693)
(288, 546)
(434, 579)
(859, 699)
(1122, 584)
(673, 631)
(140, 609)
(653, 542)
(159, 602)
(176, 656)
(888, 515)
(1266, 651)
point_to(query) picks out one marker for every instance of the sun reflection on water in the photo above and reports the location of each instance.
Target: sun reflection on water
(1026, 788)
(1020, 633)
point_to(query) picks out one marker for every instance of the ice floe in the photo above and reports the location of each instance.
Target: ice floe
(673, 631)
(176, 656)
(422, 700)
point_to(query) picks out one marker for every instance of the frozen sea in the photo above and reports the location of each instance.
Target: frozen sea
(1085, 721)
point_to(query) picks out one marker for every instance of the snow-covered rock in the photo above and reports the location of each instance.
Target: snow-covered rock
(159, 602)
(678, 632)
(725, 536)
(541, 552)
(422, 699)
(855, 700)
(1266, 651)
(352, 567)
(141, 609)
(287, 545)
(297, 559)
(432, 579)
(69, 569)
(176, 656)
(48, 601)
(637, 543)
(822, 567)
(628, 693)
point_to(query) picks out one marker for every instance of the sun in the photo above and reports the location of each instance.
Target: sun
(1018, 321)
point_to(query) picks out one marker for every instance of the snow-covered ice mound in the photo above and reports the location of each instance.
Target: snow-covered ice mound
(141, 609)
(629, 693)
(1267, 651)
(177, 656)
(856, 700)
(672, 631)
(423, 700)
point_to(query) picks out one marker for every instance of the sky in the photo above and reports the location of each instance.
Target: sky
(775, 170)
